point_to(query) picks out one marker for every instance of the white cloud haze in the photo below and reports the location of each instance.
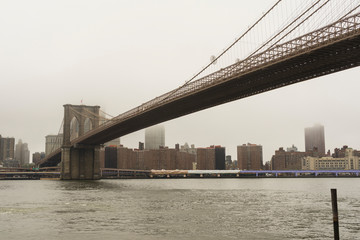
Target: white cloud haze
(119, 54)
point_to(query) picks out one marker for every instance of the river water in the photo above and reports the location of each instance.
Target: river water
(265, 208)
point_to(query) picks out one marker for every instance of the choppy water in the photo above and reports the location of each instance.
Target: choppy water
(179, 209)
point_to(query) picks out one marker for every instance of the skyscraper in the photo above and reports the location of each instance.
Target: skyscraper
(53, 142)
(315, 138)
(6, 148)
(22, 153)
(250, 157)
(155, 137)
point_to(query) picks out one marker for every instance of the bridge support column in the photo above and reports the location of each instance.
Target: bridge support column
(80, 163)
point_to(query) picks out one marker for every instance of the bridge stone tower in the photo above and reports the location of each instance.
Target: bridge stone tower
(79, 161)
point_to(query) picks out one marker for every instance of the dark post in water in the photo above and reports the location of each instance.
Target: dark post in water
(335, 213)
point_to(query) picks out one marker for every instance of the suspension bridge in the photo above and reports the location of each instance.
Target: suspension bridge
(311, 39)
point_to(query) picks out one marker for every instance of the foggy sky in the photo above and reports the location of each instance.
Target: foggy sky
(120, 54)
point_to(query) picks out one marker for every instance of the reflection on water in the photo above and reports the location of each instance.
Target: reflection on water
(178, 209)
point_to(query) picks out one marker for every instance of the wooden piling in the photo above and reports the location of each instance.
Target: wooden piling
(335, 213)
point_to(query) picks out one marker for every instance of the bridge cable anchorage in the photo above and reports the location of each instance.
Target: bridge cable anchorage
(216, 58)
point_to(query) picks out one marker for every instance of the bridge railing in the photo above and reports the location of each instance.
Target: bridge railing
(326, 35)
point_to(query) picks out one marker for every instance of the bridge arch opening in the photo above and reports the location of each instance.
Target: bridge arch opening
(74, 128)
(87, 125)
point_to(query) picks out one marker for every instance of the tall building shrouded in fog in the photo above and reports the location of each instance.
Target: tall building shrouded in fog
(315, 138)
(22, 153)
(250, 157)
(154, 137)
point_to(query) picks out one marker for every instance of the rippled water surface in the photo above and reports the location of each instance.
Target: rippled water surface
(179, 209)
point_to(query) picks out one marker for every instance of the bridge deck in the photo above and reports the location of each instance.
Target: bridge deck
(333, 48)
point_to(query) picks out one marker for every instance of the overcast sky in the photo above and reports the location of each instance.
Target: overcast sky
(119, 54)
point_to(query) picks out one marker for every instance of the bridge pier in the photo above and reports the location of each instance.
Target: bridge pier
(80, 163)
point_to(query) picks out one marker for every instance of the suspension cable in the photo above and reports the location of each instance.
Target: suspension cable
(215, 59)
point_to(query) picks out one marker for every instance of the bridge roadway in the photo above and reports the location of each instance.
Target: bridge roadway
(333, 48)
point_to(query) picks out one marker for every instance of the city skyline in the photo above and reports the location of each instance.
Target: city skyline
(96, 61)
(159, 131)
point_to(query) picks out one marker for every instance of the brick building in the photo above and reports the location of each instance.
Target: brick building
(126, 158)
(163, 158)
(250, 157)
(210, 158)
(111, 157)
(287, 160)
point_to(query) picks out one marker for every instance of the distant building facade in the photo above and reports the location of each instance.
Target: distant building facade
(163, 158)
(141, 146)
(186, 148)
(155, 137)
(53, 142)
(127, 158)
(7, 147)
(37, 157)
(348, 162)
(115, 142)
(111, 157)
(292, 149)
(287, 160)
(229, 164)
(315, 138)
(22, 153)
(10, 162)
(250, 157)
(210, 158)
(341, 152)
